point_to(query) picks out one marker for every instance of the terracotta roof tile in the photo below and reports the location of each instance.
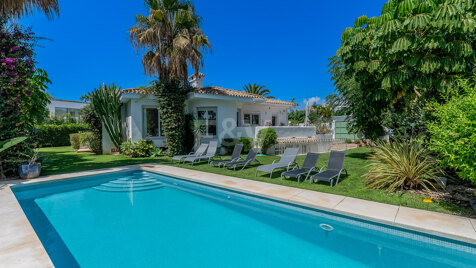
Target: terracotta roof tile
(214, 90)
(199, 74)
(132, 90)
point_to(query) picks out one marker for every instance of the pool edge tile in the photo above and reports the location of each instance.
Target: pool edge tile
(313, 199)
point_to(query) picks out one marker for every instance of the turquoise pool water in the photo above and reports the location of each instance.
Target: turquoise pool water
(142, 219)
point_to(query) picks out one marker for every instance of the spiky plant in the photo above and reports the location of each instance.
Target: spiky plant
(171, 37)
(198, 129)
(402, 165)
(20, 8)
(106, 104)
(258, 90)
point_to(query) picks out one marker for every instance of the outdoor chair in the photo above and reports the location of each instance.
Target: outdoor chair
(286, 161)
(334, 169)
(200, 151)
(251, 157)
(211, 152)
(307, 167)
(235, 156)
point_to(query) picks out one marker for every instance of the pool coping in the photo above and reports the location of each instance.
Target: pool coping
(20, 246)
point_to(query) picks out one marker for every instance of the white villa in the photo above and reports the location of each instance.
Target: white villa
(60, 108)
(227, 114)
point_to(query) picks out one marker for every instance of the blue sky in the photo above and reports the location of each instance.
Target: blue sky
(284, 45)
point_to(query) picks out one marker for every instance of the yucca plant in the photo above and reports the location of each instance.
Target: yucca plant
(106, 104)
(402, 165)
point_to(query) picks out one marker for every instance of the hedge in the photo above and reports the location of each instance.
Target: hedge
(58, 135)
(229, 144)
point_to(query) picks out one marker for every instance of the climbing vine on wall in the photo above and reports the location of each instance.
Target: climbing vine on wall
(171, 96)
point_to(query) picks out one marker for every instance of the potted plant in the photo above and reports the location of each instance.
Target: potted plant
(32, 169)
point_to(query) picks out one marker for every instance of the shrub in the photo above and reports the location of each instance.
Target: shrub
(156, 152)
(401, 164)
(92, 141)
(266, 138)
(229, 144)
(58, 135)
(23, 96)
(142, 148)
(94, 122)
(75, 140)
(126, 147)
(453, 132)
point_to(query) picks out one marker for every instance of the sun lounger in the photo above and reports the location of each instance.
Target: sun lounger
(200, 151)
(251, 157)
(286, 161)
(334, 168)
(307, 167)
(211, 152)
(235, 156)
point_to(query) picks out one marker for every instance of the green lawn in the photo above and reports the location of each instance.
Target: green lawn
(58, 160)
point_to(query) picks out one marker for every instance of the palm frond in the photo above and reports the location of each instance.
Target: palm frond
(20, 8)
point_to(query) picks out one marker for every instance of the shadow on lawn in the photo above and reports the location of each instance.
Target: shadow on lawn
(363, 156)
(61, 162)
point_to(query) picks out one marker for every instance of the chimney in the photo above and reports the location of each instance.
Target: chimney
(196, 80)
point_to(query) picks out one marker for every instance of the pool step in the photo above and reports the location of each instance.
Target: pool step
(129, 185)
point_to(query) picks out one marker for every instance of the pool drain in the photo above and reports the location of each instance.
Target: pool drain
(326, 227)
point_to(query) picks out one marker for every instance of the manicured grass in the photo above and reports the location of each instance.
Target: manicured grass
(58, 160)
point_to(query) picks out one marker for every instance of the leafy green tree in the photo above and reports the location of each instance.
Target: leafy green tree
(257, 90)
(411, 53)
(453, 131)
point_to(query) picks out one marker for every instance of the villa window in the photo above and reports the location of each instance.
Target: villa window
(64, 113)
(209, 116)
(152, 124)
(251, 119)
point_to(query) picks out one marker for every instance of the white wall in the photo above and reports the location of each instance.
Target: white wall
(226, 115)
(291, 131)
(133, 117)
(266, 111)
(64, 104)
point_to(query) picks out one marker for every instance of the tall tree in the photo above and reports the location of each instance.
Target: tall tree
(258, 90)
(171, 38)
(396, 63)
(19, 8)
(172, 41)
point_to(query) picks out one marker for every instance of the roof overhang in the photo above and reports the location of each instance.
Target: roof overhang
(194, 95)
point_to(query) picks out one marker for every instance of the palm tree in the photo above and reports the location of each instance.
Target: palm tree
(171, 37)
(258, 90)
(19, 8)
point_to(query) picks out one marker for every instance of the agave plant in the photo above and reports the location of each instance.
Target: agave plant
(402, 164)
(106, 105)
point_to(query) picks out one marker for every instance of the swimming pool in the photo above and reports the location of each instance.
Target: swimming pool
(144, 219)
